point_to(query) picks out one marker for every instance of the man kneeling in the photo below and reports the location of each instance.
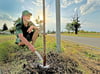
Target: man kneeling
(26, 31)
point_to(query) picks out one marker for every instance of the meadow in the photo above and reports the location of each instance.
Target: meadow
(87, 58)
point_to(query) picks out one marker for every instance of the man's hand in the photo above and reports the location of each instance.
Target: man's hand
(30, 29)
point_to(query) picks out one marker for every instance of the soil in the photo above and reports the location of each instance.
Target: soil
(57, 65)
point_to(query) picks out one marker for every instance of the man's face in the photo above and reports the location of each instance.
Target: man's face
(26, 18)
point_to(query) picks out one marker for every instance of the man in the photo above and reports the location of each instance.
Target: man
(26, 31)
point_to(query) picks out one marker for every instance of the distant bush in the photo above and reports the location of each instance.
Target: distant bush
(83, 31)
(51, 32)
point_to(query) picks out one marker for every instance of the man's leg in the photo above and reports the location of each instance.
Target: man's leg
(35, 35)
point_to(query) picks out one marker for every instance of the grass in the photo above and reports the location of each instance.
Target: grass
(93, 35)
(91, 55)
(67, 46)
(80, 53)
(83, 50)
(7, 46)
(50, 44)
(4, 38)
(5, 49)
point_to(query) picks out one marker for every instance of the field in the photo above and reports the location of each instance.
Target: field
(74, 58)
(94, 35)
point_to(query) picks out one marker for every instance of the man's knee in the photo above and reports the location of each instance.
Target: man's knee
(21, 43)
(37, 30)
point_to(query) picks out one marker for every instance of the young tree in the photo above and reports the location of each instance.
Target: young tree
(39, 21)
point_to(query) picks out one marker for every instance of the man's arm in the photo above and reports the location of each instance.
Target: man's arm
(24, 40)
(36, 33)
(31, 28)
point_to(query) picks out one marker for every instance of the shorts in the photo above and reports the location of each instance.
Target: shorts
(28, 36)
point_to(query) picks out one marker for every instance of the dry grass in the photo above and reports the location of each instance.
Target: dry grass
(87, 58)
(93, 35)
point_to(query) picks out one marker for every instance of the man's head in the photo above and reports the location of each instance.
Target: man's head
(26, 15)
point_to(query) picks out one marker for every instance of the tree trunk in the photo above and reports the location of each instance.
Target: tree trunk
(76, 30)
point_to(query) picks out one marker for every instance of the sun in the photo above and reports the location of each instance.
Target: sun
(41, 17)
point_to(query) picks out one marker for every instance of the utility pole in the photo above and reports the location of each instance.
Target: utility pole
(58, 36)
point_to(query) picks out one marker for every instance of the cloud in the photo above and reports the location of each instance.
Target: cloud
(65, 3)
(90, 26)
(39, 12)
(78, 1)
(5, 16)
(65, 20)
(51, 24)
(9, 23)
(75, 10)
(90, 6)
(22, 1)
(37, 2)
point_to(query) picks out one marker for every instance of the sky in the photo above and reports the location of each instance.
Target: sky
(88, 11)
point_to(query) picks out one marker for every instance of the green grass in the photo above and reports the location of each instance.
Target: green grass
(50, 44)
(5, 49)
(8, 46)
(92, 55)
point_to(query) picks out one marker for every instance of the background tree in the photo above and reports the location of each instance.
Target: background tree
(12, 30)
(5, 27)
(75, 22)
(53, 32)
(48, 32)
(74, 25)
(69, 27)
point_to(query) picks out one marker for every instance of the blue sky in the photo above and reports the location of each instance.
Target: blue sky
(88, 10)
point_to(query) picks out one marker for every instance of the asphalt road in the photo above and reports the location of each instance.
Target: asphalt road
(95, 42)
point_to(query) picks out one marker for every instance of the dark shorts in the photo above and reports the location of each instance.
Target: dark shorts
(28, 36)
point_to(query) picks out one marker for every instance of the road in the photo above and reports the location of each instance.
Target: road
(95, 42)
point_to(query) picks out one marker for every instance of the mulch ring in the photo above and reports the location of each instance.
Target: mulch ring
(57, 65)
